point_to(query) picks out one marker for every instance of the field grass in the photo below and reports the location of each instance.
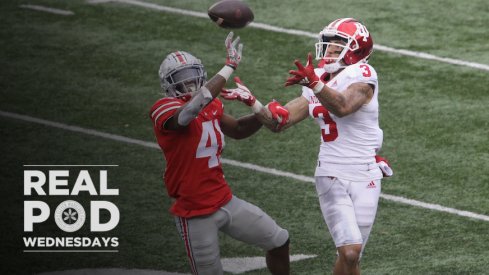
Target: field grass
(98, 69)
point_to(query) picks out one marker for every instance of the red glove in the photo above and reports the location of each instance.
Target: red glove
(384, 166)
(233, 54)
(241, 93)
(305, 76)
(279, 113)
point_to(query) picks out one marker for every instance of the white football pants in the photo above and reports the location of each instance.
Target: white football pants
(348, 208)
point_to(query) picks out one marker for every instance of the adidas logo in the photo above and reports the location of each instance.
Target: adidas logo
(371, 185)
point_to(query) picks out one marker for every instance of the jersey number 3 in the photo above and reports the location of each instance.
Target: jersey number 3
(329, 123)
(210, 149)
(365, 71)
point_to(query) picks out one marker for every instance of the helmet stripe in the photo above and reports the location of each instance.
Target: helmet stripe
(335, 24)
(181, 57)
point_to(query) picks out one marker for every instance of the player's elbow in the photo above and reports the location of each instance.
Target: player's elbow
(341, 112)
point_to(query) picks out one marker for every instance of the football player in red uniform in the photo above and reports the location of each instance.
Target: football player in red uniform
(342, 97)
(190, 124)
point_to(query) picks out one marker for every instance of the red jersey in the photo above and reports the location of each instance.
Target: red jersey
(193, 174)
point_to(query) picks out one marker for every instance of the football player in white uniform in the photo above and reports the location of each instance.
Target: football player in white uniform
(341, 95)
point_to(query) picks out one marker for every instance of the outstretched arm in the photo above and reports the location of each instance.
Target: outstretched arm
(184, 115)
(340, 104)
(240, 128)
(297, 110)
(274, 116)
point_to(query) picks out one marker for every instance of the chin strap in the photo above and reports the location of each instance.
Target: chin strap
(333, 67)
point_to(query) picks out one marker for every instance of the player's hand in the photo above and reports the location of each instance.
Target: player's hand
(241, 93)
(384, 166)
(279, 113)
(304, 75)
(234, 49)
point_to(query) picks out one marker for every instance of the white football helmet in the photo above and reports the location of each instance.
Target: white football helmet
(181, 73)
(356, 44)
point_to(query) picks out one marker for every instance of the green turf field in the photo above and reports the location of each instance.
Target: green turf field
(97, 69)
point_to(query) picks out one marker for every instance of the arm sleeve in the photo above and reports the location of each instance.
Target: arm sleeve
(194, 106)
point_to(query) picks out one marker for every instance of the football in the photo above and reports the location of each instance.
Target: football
(231, 14)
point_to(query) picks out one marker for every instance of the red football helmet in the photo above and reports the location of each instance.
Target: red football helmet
(349, 35)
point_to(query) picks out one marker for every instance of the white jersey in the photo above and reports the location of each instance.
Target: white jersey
(349, 143)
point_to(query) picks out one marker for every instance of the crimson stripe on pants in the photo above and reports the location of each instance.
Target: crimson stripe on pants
(184, 225)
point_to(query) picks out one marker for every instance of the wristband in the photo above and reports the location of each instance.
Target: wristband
(318, 88)
(226, 72)
(256, 108)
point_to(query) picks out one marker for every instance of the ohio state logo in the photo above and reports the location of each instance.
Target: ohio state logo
(69, 216)
(362, 31)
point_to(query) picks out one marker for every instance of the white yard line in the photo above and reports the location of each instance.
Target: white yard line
(233, 265)
(47, 9)
(244, 264)
(111, 271)
(245, 165)
(262, 26)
